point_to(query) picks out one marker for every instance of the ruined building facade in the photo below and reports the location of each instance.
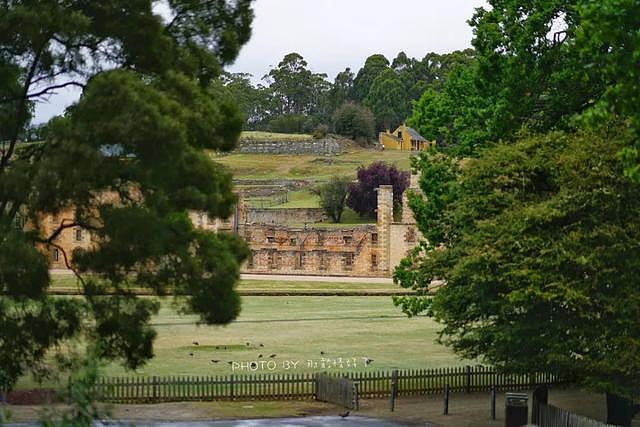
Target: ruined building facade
(366, 250)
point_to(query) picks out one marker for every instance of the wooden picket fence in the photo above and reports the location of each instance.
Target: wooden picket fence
(339, 390)
(551, 416)
(371, 384)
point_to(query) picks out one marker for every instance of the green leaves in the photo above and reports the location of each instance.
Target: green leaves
(126, 163)
(537, 243)
(333, 196)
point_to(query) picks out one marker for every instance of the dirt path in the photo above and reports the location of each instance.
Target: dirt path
(465, 410)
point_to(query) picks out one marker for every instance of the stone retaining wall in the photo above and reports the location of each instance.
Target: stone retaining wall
(285, 215)
(326, 147)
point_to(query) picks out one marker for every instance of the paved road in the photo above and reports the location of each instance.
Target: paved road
(292, 278)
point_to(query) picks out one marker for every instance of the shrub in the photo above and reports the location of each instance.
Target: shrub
(291, 123)
(354, 121)
(320, 132)
(362, 195)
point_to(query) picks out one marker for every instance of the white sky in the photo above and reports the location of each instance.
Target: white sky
(334, 34)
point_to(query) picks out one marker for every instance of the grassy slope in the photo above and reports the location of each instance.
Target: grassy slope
(257, 166)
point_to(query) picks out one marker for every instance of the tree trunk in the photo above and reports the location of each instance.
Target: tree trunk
(620, 410)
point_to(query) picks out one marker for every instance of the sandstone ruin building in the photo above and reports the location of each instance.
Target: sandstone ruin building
(366, 250)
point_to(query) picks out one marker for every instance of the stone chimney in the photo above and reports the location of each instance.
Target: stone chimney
(385, 217)
(407, 213)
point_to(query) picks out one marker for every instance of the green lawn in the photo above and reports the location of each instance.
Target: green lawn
(300, 199)
(60, 282)
(295, 329)
(272, 136)
(262, 166)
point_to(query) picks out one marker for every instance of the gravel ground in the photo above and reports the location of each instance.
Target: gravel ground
(470, 410)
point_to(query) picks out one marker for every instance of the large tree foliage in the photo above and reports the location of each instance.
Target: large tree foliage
(373, 66)
(296, 89)
(609, 43)
(543, 65)
(128, 158)
(456, 115)
(387, 100)
(362, 196)
(354, 121)
(538, 243)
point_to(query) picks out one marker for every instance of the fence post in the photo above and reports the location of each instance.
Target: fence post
(394, 389)
(356, 396)
(231, 392)
(155, 388)
(446, 399)
(467, 385)
(493, 402)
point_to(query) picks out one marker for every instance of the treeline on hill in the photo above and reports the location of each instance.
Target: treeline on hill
(294, 99)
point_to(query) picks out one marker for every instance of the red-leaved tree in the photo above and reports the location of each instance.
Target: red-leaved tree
(362, 196)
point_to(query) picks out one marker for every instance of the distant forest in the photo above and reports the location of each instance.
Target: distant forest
(294, 99)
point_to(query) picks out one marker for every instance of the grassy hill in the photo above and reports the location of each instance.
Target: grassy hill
(263, 166)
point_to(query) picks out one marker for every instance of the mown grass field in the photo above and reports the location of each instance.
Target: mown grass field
(69, 282)
(295, 329)
(262, 166)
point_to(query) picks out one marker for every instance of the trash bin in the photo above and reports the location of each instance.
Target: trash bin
(516, 409)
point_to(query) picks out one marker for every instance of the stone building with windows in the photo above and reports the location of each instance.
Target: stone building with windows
(365, 250)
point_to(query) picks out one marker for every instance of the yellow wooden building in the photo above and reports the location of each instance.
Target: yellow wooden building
(404, 138)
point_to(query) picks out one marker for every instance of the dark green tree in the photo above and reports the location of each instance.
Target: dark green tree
(609, 44)
(129, 157)
(537, 242)
(295, 87)
(456, 115)
(254, 102)
(333, 196)
(528, 63)
(387, 100)
(354, 121)
(342, 89)
(373, 66)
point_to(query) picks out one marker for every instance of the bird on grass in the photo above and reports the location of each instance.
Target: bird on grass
(196, 343)
(215, 361)
(248, 344)
(322, 352)
(191, 354)
(230, 363)
(272, 356)
(368, 361)
(259, 356)
(345, 414)
(261, 345)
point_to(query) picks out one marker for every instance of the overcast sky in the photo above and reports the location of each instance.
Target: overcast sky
(334, 34)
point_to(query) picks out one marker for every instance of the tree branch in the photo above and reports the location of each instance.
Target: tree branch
(43, 91)
(21, 108)
(67, 263)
